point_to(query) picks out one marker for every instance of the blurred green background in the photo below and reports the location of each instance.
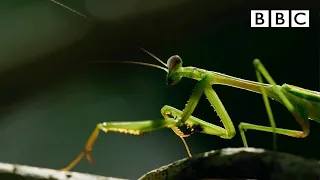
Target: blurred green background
(51, 98)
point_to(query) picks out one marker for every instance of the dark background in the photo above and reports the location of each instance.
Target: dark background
(51, 98)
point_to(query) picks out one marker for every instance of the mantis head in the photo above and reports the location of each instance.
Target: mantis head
(173, 68)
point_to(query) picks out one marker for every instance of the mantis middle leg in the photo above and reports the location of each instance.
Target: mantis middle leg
(300, 118)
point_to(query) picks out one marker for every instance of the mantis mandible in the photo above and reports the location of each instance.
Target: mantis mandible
(303, 104)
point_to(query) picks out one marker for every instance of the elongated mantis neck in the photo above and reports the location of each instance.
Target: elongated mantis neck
(223, 79)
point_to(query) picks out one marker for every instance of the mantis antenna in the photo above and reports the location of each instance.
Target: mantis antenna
(141, 63)
(70, 9)
(155, 57)
(134, 62)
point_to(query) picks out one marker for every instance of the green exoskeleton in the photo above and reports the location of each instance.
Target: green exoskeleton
(302, 103)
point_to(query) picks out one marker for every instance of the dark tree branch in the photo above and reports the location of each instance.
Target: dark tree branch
(239, 163)
(229, 163)
(21, 172)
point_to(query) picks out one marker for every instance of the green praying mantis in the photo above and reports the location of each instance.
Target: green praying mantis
(303, 104)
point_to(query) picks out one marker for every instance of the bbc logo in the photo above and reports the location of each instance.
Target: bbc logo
(280, 18)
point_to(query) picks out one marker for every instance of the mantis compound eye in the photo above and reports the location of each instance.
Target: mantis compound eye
(174, 62)
(174, 65)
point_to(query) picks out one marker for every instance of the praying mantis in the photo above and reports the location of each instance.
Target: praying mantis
(303, 104)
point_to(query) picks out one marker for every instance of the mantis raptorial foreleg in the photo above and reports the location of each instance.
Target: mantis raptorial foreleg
(173, 119)
(302, 120)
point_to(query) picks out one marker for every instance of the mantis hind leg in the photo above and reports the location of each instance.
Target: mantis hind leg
(301, 118)
(133, 128)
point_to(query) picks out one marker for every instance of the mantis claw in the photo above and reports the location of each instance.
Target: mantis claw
(89, 157)
(86, 152)
(90, 143)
